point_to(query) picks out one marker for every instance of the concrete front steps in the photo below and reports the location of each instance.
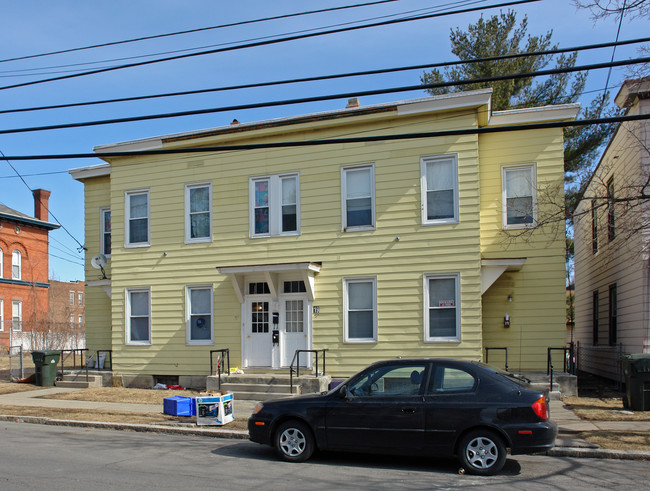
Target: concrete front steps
(564, 384)
(269, 385)
(76, 379)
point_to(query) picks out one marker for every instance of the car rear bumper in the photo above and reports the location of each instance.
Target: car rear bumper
(532, 438)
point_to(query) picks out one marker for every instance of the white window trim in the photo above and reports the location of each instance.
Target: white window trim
(442, 339)
(72, 295)
(80, 298)
(344, 214)
(20, 315)
(504, 199)
(17, 254)
(2, 314)
(423, 189)
(127, 311)
(80, 319)
(188, 316)
(346, 337)
(188, 222)
(102, 247)
(127, 219)
(275, 205)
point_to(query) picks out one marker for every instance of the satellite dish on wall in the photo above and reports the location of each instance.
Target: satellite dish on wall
(98, 262)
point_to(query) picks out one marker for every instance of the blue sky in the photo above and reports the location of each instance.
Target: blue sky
(40, 26)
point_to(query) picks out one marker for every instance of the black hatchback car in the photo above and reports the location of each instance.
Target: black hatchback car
(414, 407)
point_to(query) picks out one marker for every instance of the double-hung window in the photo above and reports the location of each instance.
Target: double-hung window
(2, 314)
(613, 315)
(519, 196)
(80, 298)
(105, 227)
(360, 307)
(16, 266)
(611, 211)
(1, 263)
(137, 218)
(358, 197)
(138, 316)
(439, 179)
(198, 213)
(594, 317)
(274, 205)
(442, 308)
(71, 298)
(17, 315)
(199, 316)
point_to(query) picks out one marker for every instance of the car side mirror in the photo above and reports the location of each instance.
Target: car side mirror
(343, 392)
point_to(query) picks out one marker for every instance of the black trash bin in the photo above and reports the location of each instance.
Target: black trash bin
(45, 363)
(636, 369)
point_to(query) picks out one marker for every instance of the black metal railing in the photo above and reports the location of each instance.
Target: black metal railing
(224, 353)
(65, 354)
(487, 355)
(296, 361)
(568, 362)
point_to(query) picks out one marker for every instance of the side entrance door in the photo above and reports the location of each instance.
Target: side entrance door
(296, 318)
(258, 331)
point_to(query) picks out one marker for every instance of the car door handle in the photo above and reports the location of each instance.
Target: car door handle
(408, 410)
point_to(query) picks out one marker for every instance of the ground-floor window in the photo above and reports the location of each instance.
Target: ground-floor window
(17, 315)
(613, 314)
(138, 316)
(360, 306)
(199, 315)
(442, 307)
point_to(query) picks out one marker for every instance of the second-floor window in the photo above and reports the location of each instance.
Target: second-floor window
(439, 189)
(275, 205)
(71, 298)
(594, 227)
(80, 298)
(105, 227)
(198, 213)
(519, 196)
(358, 197)
(16, 265)
(611, 211)
(137, 218)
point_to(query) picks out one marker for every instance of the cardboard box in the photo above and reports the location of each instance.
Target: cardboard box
(215, 410)
(178, 406)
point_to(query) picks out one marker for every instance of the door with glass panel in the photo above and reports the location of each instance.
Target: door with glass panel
(294, 316)
(258, 332)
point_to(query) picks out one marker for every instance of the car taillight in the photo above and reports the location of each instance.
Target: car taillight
(540, 407)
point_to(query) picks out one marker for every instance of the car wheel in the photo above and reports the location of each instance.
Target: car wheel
(482, 452)
(294, 441)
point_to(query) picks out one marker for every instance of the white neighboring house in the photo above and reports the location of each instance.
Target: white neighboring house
(612, 247)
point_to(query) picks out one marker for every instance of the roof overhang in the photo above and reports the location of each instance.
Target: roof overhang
(271, 272)
(98, 170)
(492, 269)
(559, 112)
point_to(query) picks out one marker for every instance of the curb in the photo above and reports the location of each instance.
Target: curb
(194, 431)
(575, 452)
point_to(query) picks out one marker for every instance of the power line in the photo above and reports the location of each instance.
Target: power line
(6, 159)
(333, 76)
(321, 98)
(190, 31)
(269, 42)
(338, 141)
(35, 174)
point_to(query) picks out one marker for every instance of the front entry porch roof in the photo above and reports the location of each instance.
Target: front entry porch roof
(492, 269)
(271, 273)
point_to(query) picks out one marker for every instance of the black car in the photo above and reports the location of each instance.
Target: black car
(414, 407)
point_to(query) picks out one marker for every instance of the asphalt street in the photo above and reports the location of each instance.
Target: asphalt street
(55, 457)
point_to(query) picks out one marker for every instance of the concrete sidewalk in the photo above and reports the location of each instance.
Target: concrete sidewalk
(567, 443)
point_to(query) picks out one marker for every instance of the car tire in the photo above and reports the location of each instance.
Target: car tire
(293, 441)
(482, 452)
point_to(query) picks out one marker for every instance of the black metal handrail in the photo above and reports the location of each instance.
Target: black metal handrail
(225, 353)
(487, 355)
(568, 365)
(296, 360)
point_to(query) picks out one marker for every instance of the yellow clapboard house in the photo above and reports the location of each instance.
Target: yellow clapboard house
(410, 247)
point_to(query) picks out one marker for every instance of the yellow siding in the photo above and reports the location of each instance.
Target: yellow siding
(537, 311)
(98, 305)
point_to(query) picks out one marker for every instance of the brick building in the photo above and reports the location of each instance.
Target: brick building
(67, 300)
(24, 299)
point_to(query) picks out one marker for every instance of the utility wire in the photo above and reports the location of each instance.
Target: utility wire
(338, 141)
(618, 32)
(327, 97)
(200, 29)
(269, 42)
(6, 159)
(333, 76)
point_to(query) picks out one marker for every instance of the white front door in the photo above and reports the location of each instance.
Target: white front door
(295, 329)
(258, 332)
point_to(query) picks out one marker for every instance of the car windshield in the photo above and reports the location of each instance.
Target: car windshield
(517, 379)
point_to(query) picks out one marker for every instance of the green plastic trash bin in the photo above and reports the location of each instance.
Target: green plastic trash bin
(45, 363)
(636, 369)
